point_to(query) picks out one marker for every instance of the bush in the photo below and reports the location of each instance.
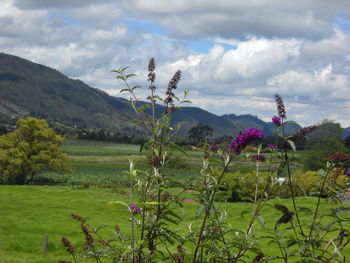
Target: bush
(240, 186)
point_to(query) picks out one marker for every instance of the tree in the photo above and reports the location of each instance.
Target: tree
(31, 149)
(347, 141)
(320, 151)
(198, 134)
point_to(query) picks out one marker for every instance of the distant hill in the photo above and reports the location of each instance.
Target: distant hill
(250, 121)
(346, 132)
(30, 89)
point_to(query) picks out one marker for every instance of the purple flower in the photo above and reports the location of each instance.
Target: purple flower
(246, 137)
(134, 209)
(259, 158)
(276, 120)
(215, 229)
(347, 173)
(272, 146)
(214, 148)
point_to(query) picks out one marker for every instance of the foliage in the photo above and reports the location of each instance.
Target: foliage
(320, 151)
(347, 141)
(240, 186)
(118, 136)
(30, 150)
(199, 134)
(153, 217)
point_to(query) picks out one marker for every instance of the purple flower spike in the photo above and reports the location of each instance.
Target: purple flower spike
(276, 120)
(134, 209)
(347, 173)
(272, 146)
(214, 148)
(246, 137)
(259, 158)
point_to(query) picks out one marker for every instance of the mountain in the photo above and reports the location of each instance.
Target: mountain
(346, 132)
(30, 89)
(250, 121)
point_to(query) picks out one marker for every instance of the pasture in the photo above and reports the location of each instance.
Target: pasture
(96, 178)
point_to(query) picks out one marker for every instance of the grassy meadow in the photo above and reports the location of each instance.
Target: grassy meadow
(96, 177)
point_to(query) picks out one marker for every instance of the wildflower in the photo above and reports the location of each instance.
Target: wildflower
(214, 148)
(174, 80)
(171, 86)
(156, 161)
(103, 243)
(301, 133)
(347, 173)
(259, 158)
(68, 245)
(246, 137)
(170, 110)
(258, 258)
(88, 238)
(151, 65)
(340, 157)
(276, 120)
(215, 229)
(151, 75)
(280, 106)
(272, 146)
(78, 218)
(134, 209)
(117, 229)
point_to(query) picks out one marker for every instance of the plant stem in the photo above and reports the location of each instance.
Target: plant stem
(286, 159)
(317, 208)
(208, 210)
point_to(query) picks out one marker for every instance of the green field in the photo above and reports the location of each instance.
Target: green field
(97, 177)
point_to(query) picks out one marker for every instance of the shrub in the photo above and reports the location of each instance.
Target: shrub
(240, 186)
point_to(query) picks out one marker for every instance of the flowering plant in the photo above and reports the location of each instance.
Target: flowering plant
(153, 236)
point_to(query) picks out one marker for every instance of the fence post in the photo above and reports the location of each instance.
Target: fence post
(46, 241)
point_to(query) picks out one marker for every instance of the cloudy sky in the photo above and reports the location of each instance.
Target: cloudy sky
(235, 55)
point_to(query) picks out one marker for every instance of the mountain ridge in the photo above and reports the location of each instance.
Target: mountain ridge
(31, 89)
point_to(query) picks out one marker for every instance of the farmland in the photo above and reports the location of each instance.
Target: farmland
(97, 177)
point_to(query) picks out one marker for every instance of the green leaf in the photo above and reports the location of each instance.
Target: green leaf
(201, 209)
(145, 144)
(124, 90)
(261, 220)
(118, 203)
(130, 75)
(292, 145)
(135, 87)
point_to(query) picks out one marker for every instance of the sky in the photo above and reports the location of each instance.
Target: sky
(234, 55)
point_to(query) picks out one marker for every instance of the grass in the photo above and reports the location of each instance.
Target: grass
(29, 212)
(99, 148)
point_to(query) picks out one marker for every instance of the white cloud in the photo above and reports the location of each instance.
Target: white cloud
(294, 48)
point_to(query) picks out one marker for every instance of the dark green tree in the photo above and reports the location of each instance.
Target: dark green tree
(347, 141)
(199, 133)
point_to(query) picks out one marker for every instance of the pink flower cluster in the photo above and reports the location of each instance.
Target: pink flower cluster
(276, 120)
(259, 158)
(246, 137)
(272, 146)
(134, 209)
